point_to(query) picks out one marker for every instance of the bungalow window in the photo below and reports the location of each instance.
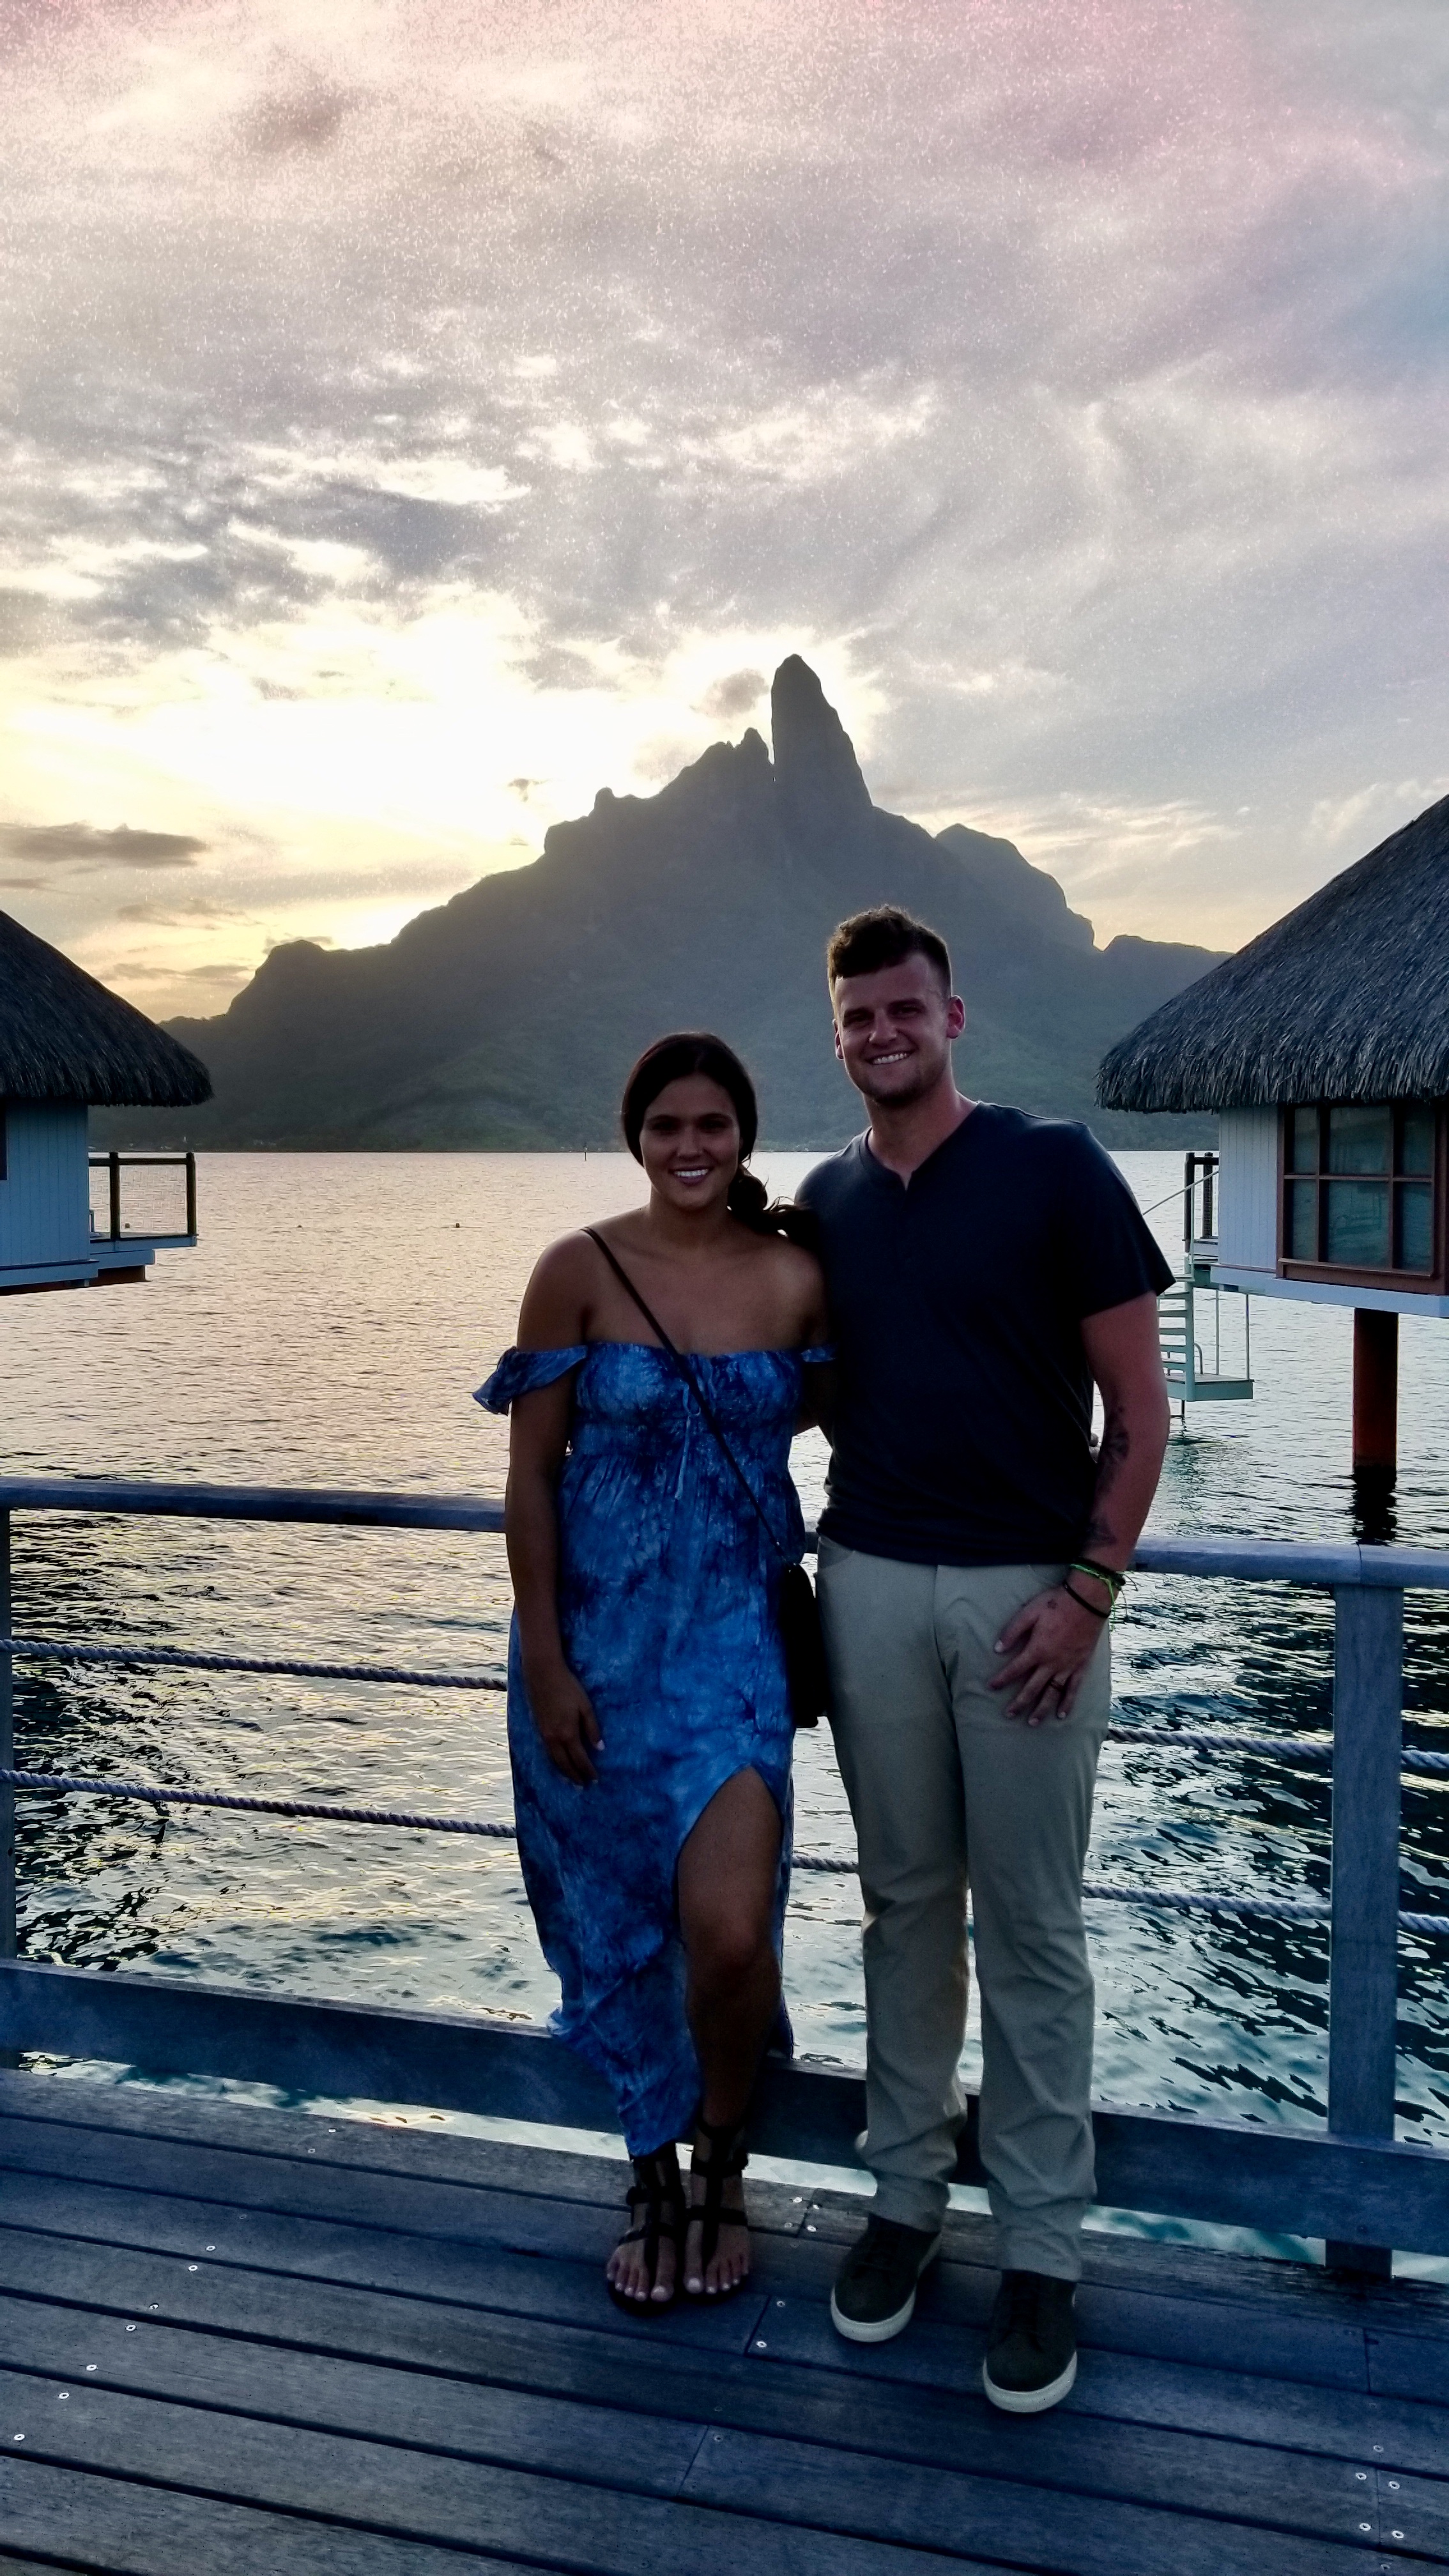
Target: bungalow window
(1360, 1188)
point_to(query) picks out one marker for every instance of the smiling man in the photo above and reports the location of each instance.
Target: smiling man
(984, 1269)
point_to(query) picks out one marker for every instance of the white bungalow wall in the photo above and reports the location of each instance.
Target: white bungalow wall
(1248, 1189)
(1248, 1226)
(45, 1219)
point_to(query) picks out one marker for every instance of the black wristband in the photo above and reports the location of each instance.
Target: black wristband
(1081, 1604)
(1109, 1574)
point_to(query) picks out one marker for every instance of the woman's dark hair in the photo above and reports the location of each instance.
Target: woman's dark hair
(675, 1059)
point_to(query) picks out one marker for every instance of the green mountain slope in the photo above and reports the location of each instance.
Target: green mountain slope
(508, 1017)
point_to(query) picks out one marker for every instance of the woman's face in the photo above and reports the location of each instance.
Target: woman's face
(690, 1143)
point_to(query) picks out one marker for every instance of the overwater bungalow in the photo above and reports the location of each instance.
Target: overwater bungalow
(1323, 1047)
(70, 1218)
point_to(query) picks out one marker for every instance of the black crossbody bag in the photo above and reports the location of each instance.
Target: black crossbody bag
(797, 1609)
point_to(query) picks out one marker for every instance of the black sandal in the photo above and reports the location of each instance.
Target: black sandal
(657, 2184)
(728, 2158)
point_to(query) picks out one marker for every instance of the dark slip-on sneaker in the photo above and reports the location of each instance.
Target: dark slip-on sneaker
(875, 2288)
(1031, 2343)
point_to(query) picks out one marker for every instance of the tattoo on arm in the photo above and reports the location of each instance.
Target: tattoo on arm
(1111, 1458)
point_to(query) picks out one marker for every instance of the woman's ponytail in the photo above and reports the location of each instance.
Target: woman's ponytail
(749, 1201)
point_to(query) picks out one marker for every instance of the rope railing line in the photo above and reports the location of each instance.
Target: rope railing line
(1190, 1739)
(395, 1675)
(1213, 1739)
(150, 1793)
(1308, 1910)
(1278, 1909)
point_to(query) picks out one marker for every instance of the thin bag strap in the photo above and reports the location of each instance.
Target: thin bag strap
(692, 1382)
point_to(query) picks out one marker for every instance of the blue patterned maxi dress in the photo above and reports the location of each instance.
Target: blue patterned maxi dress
(666, 1607)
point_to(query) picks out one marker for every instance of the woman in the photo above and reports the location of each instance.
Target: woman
(648, 1720)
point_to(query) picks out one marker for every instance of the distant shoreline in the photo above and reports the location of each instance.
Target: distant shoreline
(1170, 1134)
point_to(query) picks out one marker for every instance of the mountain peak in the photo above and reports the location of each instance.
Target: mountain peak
(994, 868)
(504, 1018)
(817, 776)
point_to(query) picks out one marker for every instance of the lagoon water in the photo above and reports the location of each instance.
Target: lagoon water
(329, 1330)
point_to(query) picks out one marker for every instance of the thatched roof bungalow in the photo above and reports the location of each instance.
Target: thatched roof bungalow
(63, 1036)
(67, 1219)
(1324, 1048)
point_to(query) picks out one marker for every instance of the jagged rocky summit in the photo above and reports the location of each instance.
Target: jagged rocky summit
(508, 1017)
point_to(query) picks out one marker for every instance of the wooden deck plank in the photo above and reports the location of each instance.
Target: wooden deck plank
(367, 2487)
(1305, 2345)
(1092, 2456)
(1414, 2514)
(474, 2417)
(439, 2493)
(464, 2213)
(107, 2286)
(1304, 2342)
(502, 2278)
(116, 2527)
(1134, 2388)
(1403, 2365)
(424, 2269)
(436, 2151)
(426, 2335)
(537, 2172)
(1033, 2526)
(367, 2400)
(417, 2206)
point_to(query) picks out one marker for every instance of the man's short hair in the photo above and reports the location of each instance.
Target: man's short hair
(884, 936)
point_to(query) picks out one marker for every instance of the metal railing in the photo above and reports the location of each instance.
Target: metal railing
(115, 1229)
(1368, 1586)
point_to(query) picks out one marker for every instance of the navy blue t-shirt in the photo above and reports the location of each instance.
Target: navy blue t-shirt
(965, 1410)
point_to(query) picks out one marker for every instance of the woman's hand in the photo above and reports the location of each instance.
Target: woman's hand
(1048, 1646)
(564, 1716)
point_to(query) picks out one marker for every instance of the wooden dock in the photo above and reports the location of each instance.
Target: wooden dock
(258, 2343)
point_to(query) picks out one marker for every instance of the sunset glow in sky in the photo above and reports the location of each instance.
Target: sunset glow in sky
(419, 414)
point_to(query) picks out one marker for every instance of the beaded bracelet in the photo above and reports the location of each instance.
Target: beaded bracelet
(1106, 1574)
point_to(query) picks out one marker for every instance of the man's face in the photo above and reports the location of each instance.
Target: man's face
(894, 1030)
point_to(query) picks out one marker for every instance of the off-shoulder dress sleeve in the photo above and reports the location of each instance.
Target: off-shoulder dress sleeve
(523, 1372)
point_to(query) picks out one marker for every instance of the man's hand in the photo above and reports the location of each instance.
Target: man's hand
(1048, 1646)
(564, 1716)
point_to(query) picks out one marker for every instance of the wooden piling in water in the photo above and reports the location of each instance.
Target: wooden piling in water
(1375, 1392)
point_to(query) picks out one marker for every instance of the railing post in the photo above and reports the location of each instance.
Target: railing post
(191, 1193)
(9, 2057)
(114, 1160)
(1368, 1728)
(7, 1755)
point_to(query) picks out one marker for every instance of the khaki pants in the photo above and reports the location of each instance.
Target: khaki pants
(943, 1786)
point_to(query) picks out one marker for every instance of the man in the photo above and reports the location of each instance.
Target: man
(984, 1268)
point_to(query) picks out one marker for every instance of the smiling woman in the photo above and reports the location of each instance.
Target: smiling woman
(650, 1517)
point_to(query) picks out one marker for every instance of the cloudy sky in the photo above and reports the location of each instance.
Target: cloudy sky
(421, 413)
